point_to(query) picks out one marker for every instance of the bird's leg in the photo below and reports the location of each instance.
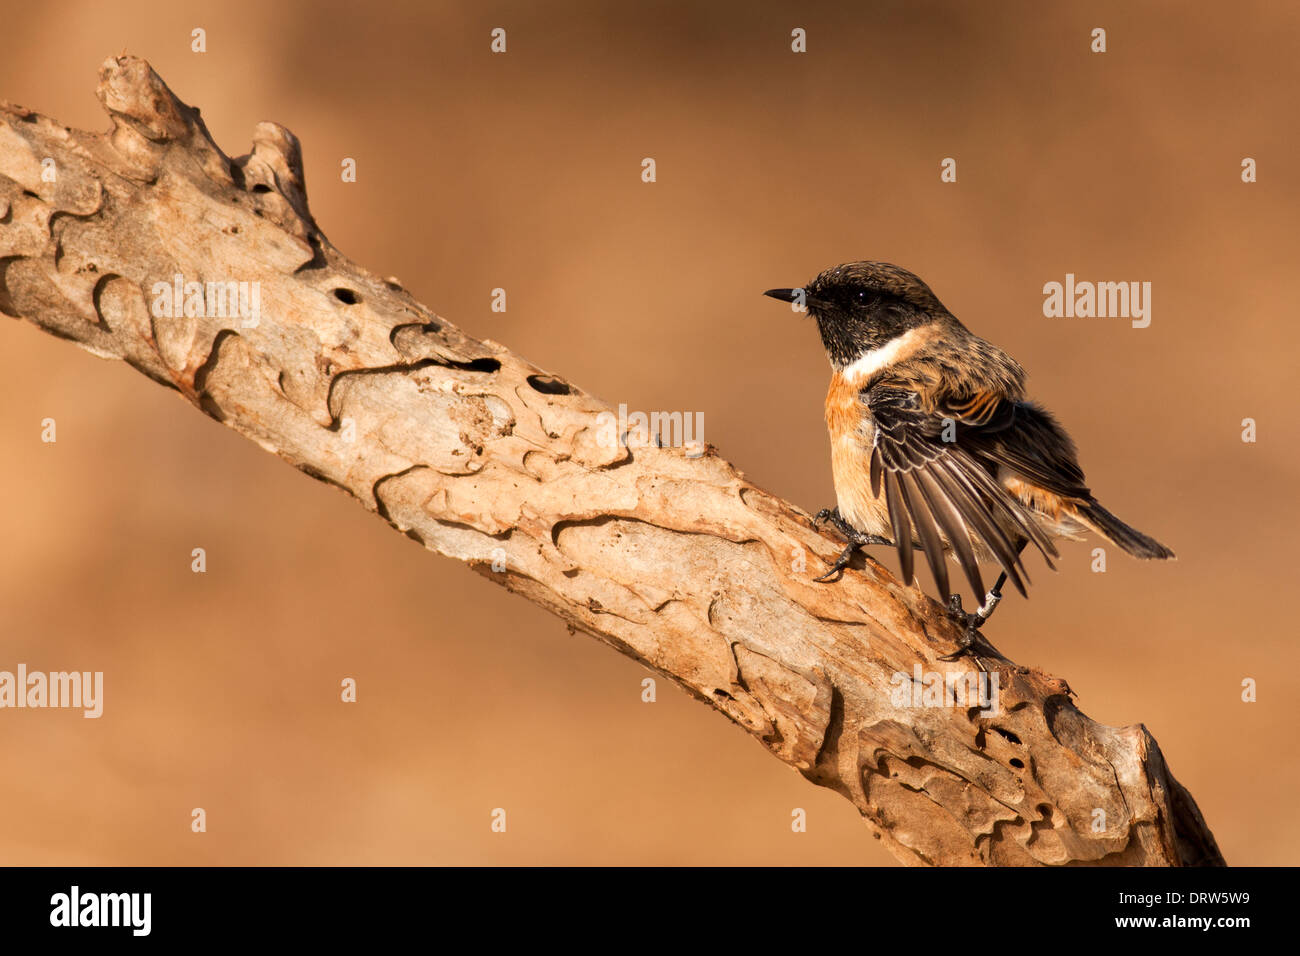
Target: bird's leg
(855, 538)
(973, 622)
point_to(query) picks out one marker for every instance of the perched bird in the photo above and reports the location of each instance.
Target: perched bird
(933, 445)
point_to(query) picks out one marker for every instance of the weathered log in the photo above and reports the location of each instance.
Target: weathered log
(673, 558)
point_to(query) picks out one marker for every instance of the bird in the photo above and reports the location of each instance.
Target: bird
(934, 446)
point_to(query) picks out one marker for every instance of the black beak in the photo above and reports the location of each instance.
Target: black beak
(785, 295)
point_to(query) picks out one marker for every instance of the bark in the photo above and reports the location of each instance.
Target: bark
(678, 561)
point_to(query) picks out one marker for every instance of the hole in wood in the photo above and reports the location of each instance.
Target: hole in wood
(549, 385)
(477, 365)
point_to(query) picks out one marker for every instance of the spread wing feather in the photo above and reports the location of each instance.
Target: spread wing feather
(947, 489)
(954, 527)
(923, 518)
(898, 519)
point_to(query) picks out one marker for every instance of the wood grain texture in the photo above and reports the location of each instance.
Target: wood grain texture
(679, 562)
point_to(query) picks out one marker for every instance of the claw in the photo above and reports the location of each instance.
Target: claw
(840, 564)
(855, 538)
(971, 624)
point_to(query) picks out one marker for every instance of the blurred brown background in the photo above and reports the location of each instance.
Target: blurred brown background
(523, 171)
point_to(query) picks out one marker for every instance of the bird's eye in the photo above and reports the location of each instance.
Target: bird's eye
(862, 298)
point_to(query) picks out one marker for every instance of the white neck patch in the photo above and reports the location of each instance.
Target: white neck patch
(896, 349)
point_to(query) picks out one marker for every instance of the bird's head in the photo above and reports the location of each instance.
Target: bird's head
(860, 307)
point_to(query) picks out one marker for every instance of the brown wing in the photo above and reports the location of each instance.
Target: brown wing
(938, 471)
(1027, 441)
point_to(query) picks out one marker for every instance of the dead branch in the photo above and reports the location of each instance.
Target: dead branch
(679, 562)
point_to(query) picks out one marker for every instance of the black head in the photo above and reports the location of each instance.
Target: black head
(860, 306)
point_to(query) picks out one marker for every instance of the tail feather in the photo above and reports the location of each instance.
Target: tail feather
(1130, 539)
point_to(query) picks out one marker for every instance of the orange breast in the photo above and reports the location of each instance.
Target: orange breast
(851, 432)
(844, 409)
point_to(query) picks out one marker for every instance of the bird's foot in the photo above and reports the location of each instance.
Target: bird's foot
(855, 538)
(971, 624)
(832, 517)
(840, 564)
